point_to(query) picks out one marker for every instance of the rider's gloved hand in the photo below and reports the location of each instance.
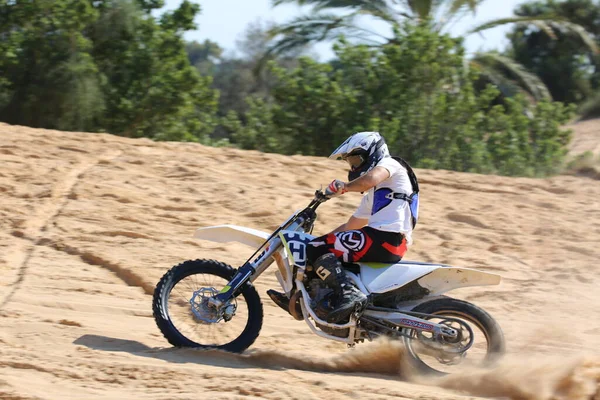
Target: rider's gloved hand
(335, 188)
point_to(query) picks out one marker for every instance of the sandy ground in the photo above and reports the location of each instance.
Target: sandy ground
(586, 137)
(90, 222)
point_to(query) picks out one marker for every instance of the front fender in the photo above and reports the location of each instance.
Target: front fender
(232, 233)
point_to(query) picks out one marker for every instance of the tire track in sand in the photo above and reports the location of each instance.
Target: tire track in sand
(47, 214)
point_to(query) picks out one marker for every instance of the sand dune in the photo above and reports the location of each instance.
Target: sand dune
(90, 222)
(586, 137)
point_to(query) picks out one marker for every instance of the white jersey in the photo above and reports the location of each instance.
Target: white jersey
(385, 213)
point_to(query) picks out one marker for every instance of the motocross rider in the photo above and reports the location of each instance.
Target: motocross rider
(378, 231)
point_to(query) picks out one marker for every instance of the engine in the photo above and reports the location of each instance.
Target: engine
(321, 296)
(322, 303)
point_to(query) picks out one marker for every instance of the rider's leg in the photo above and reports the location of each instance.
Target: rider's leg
(280, 299)
(366, 244)
(313, 252)
(348, 296)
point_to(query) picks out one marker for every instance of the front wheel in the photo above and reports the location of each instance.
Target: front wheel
(479, 334)
(183, 315)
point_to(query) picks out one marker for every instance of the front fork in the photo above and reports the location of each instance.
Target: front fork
(248, 271)
(228, 292)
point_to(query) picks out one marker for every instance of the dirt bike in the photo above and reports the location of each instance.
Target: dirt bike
(208, 304)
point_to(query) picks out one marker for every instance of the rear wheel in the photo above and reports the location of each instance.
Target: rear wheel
(479, 333)
(181, 310)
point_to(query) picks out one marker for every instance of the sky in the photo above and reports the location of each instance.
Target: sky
(224, 21)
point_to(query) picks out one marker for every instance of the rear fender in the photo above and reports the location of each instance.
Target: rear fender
(445, 279)
(437, 278)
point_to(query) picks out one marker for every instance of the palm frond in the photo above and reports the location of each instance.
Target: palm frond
(313, 26)
(355, 4)
(378, 8)
(421, 8)
(458, 5)
(548, 24)
(567, 27)
(511, 20)
(308, 29)
(318, 27)
(444, 10)
(448, 12)
(504, 71)
(323, 4)
(542, 26)
(275, 3)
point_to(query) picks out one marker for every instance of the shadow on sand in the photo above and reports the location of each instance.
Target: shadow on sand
(383, 358)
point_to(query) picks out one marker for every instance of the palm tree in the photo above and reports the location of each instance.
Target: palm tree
(438, 14)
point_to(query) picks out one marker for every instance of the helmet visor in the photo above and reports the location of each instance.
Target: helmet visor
(354, 160)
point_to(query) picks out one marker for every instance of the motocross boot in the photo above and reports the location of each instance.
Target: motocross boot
(348, 296)
(280, 299)
(284, 302)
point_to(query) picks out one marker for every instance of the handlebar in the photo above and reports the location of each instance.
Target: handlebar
(307, 216)
(305, 219)
(319, 199)
(309, 213)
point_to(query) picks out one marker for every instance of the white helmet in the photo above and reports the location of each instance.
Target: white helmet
(370, 147)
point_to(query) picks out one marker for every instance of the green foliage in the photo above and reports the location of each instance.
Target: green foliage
(110, 65)
(421, 97)
(506, 74)
(151, 89)
(203, 56)
(590, 108)
(509, 76)
(46, 68)
(323, 25)
(532, 145)
(585, 164)
(564, 63)
(236, 76)
(103, 65)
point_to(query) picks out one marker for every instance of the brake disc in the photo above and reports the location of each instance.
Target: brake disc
(449, 348)
(205, 312)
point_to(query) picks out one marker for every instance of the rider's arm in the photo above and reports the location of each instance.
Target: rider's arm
(371, 179)
(353, 223)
